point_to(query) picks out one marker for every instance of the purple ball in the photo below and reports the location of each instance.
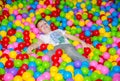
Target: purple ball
(32, 68)
(13, 71)
(69, 79)
(24, 15)
(77, 64)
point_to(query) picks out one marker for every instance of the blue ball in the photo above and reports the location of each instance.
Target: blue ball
(105, 22)
(67, 75)
(95, 43)
(1, 65)
(0, 47)
(62, 72)
(77, 71)
(85, 64)
(114, 23)
(78, 5)
(45, 51)
(107, 29)
(93, 28)
(104, 39)
(89, 7)
(87, 33)
(58, 18)
(108, 8)
(89, 73)
(4, 28)
(116, 69)
(19, 40)
(116, 47)
(37, 74)
(32, 64)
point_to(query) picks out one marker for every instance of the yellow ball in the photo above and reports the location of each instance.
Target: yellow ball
(0, 53)
(3, 33)
(81, 23)
(32, 15)
(20, 5)
(17, 23)
(82, 5)
(75, 43)
(30, 79)
(3, 60)
(13, 39)
(50, 47)
(107, 34)
(47, 18)
(7, 6)
(103, 18)
(14, 7)
(69, 68)
(97, 71)
(71, 12)
(32, 35)
(26, 75)
(78, 77)
(1, 3)
(58, 77)
(13, 54)
(28, 19)
(103, 48)
(67, 59)
(53, 74)
(64, 56)
(54, 69)
(17, 78)
(102, 30)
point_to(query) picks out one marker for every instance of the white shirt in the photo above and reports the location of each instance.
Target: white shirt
(55, 37)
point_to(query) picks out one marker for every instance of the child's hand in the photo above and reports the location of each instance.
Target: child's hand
(29, 50)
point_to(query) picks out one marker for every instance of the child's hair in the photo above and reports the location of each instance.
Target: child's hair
(37, 22)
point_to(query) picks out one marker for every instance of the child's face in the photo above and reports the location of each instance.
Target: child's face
(43, 27)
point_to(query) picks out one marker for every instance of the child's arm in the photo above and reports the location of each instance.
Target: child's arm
(34, 46)
(77, 39)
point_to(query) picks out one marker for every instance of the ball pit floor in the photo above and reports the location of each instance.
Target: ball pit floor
(96, 22)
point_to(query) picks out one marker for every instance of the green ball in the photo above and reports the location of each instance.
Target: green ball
(53, 19)
(71, 5)
(38, 62)
(32, 59)
(19, 35)
(101, 76)
(38, 17)
(95, 18)
(68, 28)
(80, 51)
(85, 70)
(61, 67)
(113, 34)
(31, 72)
(73, 32)
(62, 14)
(52, 79)
(46, 64)
(118, 34)
(41, 69)
(14, 26)
(11, 18)
(84, 16)
(114, 29)
(57, 23)
(96, 58)
(35, 40)
(61, 6)
(40, 53)
(68, 2)
(87, 78)
(97, 52)
(4, 22)
(94, 76)
(25, 61)
(26, 27)
(100, 38)
(110, 41)
(76, 22)
(112, 51)
(78, 30)
(63, 64)
(17, 63)
(47, 11)
(107, 78)
(94, 38)
(108, 64)
(2, 71)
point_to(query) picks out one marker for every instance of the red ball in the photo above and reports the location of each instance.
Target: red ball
(47, 2)
(55, 58)
(59, 52)
(26, 33)
(6, 13)
(2, 77)
(54, 14)
(43, 46)
(58, 10)
(118, 44)
(27, 43)
(24, 66)
(98, 45)
(92, 68)
(25, 56)
(57, 64)
(82, 36)
(95, 33)
(110, 20)
(43, 15)
(5, 39)
(88, 40)
(20, 72)
(98, 80)
(11, 32)
(19, 56)
(87, 50)
(21, 45)
(78, 16)
(1, 17)
(90, 16)
(26, 38)
(5, 56)
(9, 64)
(99, 2)
(57, 2)
(118, 63)
(4, 44)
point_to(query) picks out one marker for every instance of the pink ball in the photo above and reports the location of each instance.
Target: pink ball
(60, 60)
(69, 23)
(104, 70)
(93, 63)
(99, 22)
(15, 44)
(32, 25)
(89, 24)
(6, 51)
(118, 59)
(39, 6)
(99, 67)
(118, 52)
(8, 77)
(35, 30)
(116, 77)
(15, 12)
(46, 75)
(40, 78)
(34, 55)
(10, 46)
(78, 46)
(112, 10)
(33, 19)
(19, 17)
(45, 58)
(101, 60)
(26, 23)
(106, 55)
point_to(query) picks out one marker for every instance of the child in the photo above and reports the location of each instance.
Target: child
(59, 39)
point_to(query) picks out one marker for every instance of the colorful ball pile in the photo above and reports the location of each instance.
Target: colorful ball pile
(97, 22)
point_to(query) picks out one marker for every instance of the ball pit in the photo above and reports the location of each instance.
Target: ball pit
(97, 22)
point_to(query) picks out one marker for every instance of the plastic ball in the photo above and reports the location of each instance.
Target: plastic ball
(54, 69)
(77, 64)
(104, 70)
(67, 75)
(55, 58)
(40, 69)
(26, 75)
(58, 77)
(84, 70)
(112, 51)
(59, 52)
(17, 63)
(17, 78)
(8, 77)
(46, 75)
(13, 54)
(78, 77)
(9, 64)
